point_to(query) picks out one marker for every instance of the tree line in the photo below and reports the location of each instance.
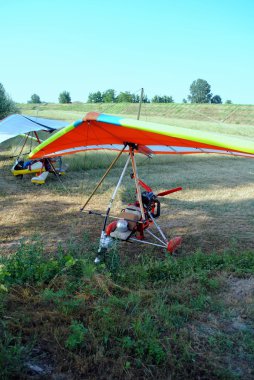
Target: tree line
(108, 96)
(200, 92)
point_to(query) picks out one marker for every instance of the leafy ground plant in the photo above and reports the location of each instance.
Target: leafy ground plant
(187, 317)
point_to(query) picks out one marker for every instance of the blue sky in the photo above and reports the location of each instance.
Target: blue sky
(82, 46)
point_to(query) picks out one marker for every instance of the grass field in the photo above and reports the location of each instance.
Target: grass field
(141, 314)
(218, 113)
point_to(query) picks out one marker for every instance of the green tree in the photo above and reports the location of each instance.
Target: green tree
(124, 97)
(34, 99)
(156, 99)
(64, 97)
(144, 99)
(7, 105)
(184, 100)
(162, 99)
(216, 99)
(228, 101)
(136, 98)
(94, 97)
(109, 96)
(167, 99)
(200, 92)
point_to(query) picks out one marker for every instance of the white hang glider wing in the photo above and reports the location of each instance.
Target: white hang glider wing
(16, 124)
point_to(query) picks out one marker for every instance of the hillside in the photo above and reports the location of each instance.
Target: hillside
(219, 113)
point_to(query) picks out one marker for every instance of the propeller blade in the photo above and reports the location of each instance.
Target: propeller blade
(169, 191)
(144, 185)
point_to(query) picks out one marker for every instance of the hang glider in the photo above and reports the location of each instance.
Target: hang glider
(27, 127)
(98, 131)
(16, 124)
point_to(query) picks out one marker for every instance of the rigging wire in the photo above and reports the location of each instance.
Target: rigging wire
(18, 149)
(18, 146)
(219, 122)
(208, 117)
(31, 144)
(58, 176)
(230, 113)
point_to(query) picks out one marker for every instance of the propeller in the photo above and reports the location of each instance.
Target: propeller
(163, 193)
(170, 191)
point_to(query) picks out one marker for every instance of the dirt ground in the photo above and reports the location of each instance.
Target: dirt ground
(215, 210)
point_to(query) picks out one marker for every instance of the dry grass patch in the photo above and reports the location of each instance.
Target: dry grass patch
(215, 207)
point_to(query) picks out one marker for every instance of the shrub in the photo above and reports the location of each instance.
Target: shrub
(7, 105)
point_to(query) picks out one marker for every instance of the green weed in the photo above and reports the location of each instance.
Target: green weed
(145, 315)
(12, 354)
(221, 343)
(76, 338)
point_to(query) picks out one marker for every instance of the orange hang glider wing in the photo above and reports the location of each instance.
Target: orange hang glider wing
(97, 131)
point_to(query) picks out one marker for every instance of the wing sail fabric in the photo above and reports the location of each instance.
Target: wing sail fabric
(98, 131)
(15, 125)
